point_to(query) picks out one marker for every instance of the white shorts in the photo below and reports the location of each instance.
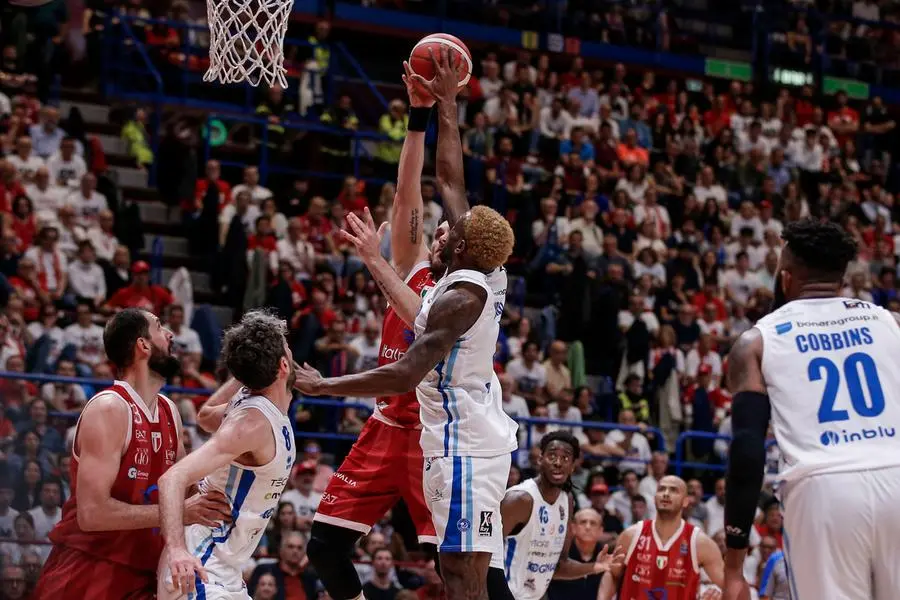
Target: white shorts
(464, 496)
(225, 582)
(842, 535)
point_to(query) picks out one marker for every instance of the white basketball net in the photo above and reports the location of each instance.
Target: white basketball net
(246, 41)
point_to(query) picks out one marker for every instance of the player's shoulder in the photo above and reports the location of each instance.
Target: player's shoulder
(108, 401)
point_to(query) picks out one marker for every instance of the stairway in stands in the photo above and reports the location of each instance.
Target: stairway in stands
(134, 185)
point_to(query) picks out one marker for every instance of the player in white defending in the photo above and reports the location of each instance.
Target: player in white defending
(248, 459)
(825, 368)
(536, 515)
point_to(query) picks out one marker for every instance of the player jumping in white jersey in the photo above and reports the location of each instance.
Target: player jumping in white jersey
(248, 459)
(466, 437)
(535, 516)
(825, 368)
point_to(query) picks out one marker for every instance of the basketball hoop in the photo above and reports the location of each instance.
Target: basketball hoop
(246, 41)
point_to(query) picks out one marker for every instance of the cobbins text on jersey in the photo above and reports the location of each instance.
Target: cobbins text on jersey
(836, 340)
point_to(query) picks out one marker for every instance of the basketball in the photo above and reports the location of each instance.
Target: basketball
(460, 57)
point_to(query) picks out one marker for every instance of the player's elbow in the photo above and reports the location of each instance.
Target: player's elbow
(209, 419)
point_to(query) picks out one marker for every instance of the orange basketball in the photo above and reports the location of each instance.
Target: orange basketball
(460, 57)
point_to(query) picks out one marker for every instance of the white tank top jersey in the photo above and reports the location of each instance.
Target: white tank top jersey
(252, 492)
(830, 367)
(531, 556)
(460, 402)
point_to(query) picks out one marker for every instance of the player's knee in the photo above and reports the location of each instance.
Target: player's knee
(327, 543)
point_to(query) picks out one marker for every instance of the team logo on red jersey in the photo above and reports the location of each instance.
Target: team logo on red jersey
(140, 435)
(156, 439)
(662, 561)
(142, 457)
(170, 457)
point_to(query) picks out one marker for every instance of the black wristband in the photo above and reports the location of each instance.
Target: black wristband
(418, 118)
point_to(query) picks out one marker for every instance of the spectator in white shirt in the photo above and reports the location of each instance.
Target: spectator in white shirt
(528, 373)
(708, 187)
(490, 81)
(86, 277)
(258, 193)
(746, 217)
(501, 107)
(70, 232)
(47, 135)
(184, 339)
(591, 232)
(806, 154)
(86, 336)
(512, 67)
(740, 121)
(88, 202)
(24, 160)
(659, 467)
(302, 495)
(564, 410)
(48, 513)
(633, 443)
(620, 500)
(49, 262)
(753, 139)
(296, 251)
(45, 195)
(740, 282)
(703, 354)
(514, 405)
(554, 124)
(66, 167)
(102, 237)
(244, 208)
(744, 244)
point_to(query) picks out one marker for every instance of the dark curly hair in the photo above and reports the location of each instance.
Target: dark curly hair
(253, 349)
(824, 248)
(564, 436)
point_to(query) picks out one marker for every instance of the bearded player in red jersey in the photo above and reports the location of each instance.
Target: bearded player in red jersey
(665, 555)
(385, 464)
(107, 546)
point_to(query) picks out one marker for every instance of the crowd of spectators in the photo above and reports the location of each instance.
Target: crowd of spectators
(647, 220)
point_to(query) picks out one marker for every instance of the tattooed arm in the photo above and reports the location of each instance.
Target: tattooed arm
(451, 316)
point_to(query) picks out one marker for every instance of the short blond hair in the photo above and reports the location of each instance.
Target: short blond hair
(489, 238)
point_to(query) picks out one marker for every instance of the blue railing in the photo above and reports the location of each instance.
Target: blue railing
(680, 464)
(337, 405)
(268, 164)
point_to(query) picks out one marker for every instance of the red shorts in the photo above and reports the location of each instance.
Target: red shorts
(74, 575)
(384, 465)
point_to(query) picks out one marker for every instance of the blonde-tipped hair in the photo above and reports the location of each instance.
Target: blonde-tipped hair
(489, 238)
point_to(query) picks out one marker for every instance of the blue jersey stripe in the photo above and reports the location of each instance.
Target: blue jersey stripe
(446, 404)
(510, 554)
(454, 404)
(768, 570)
(245, 483)
(452, 533)
(470, 513)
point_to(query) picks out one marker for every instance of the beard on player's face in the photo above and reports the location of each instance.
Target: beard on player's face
(163, 362)
(291, 378)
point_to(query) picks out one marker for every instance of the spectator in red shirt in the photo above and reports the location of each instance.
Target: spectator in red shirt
(140, 294)
(26, 283)
(844, 121)
(23, 221)
(213, 177)
(772, 523)
(710, 294)
(353, 195)
(317, 226)
(10, 188)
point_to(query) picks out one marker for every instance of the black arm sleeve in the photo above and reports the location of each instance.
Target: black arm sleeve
(746, 462)
(497, 587)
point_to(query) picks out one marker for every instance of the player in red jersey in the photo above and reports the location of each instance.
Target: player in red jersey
(385, 464)
(665, 555)
(107, 546)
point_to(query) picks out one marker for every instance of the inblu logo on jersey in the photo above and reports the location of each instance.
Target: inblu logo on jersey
(783, 328)
(832, 438)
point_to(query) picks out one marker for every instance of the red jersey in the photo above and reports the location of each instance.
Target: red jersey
(151, 450)
(396, 336)
(668, 571)
(154, 298)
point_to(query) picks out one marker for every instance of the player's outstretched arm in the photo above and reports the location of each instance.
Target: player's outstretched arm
(367, 240)
(710, 558)
(454, 313)
(238, 434)
(450, 174)
(750, 412)
(607, 560)
(209, 418)
(407, 244)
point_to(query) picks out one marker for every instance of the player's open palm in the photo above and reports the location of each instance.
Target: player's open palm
(183, 566)
(609, 558)
(210, 509)
(364, 236)
(445, 84)
(308, 380)
(419, 97)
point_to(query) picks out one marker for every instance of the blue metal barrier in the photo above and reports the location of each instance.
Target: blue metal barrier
(680, 464)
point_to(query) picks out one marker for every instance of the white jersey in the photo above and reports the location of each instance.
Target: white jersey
(830, 367)
(531, 555)
(252, 492)
(460, 402)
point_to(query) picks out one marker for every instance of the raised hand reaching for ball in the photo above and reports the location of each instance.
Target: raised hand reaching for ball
(444, 86)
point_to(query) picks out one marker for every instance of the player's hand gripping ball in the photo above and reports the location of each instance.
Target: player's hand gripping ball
(421, 63)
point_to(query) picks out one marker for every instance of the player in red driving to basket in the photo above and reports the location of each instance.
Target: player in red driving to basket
(665, 555)
(385, 464)
(107, 545)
